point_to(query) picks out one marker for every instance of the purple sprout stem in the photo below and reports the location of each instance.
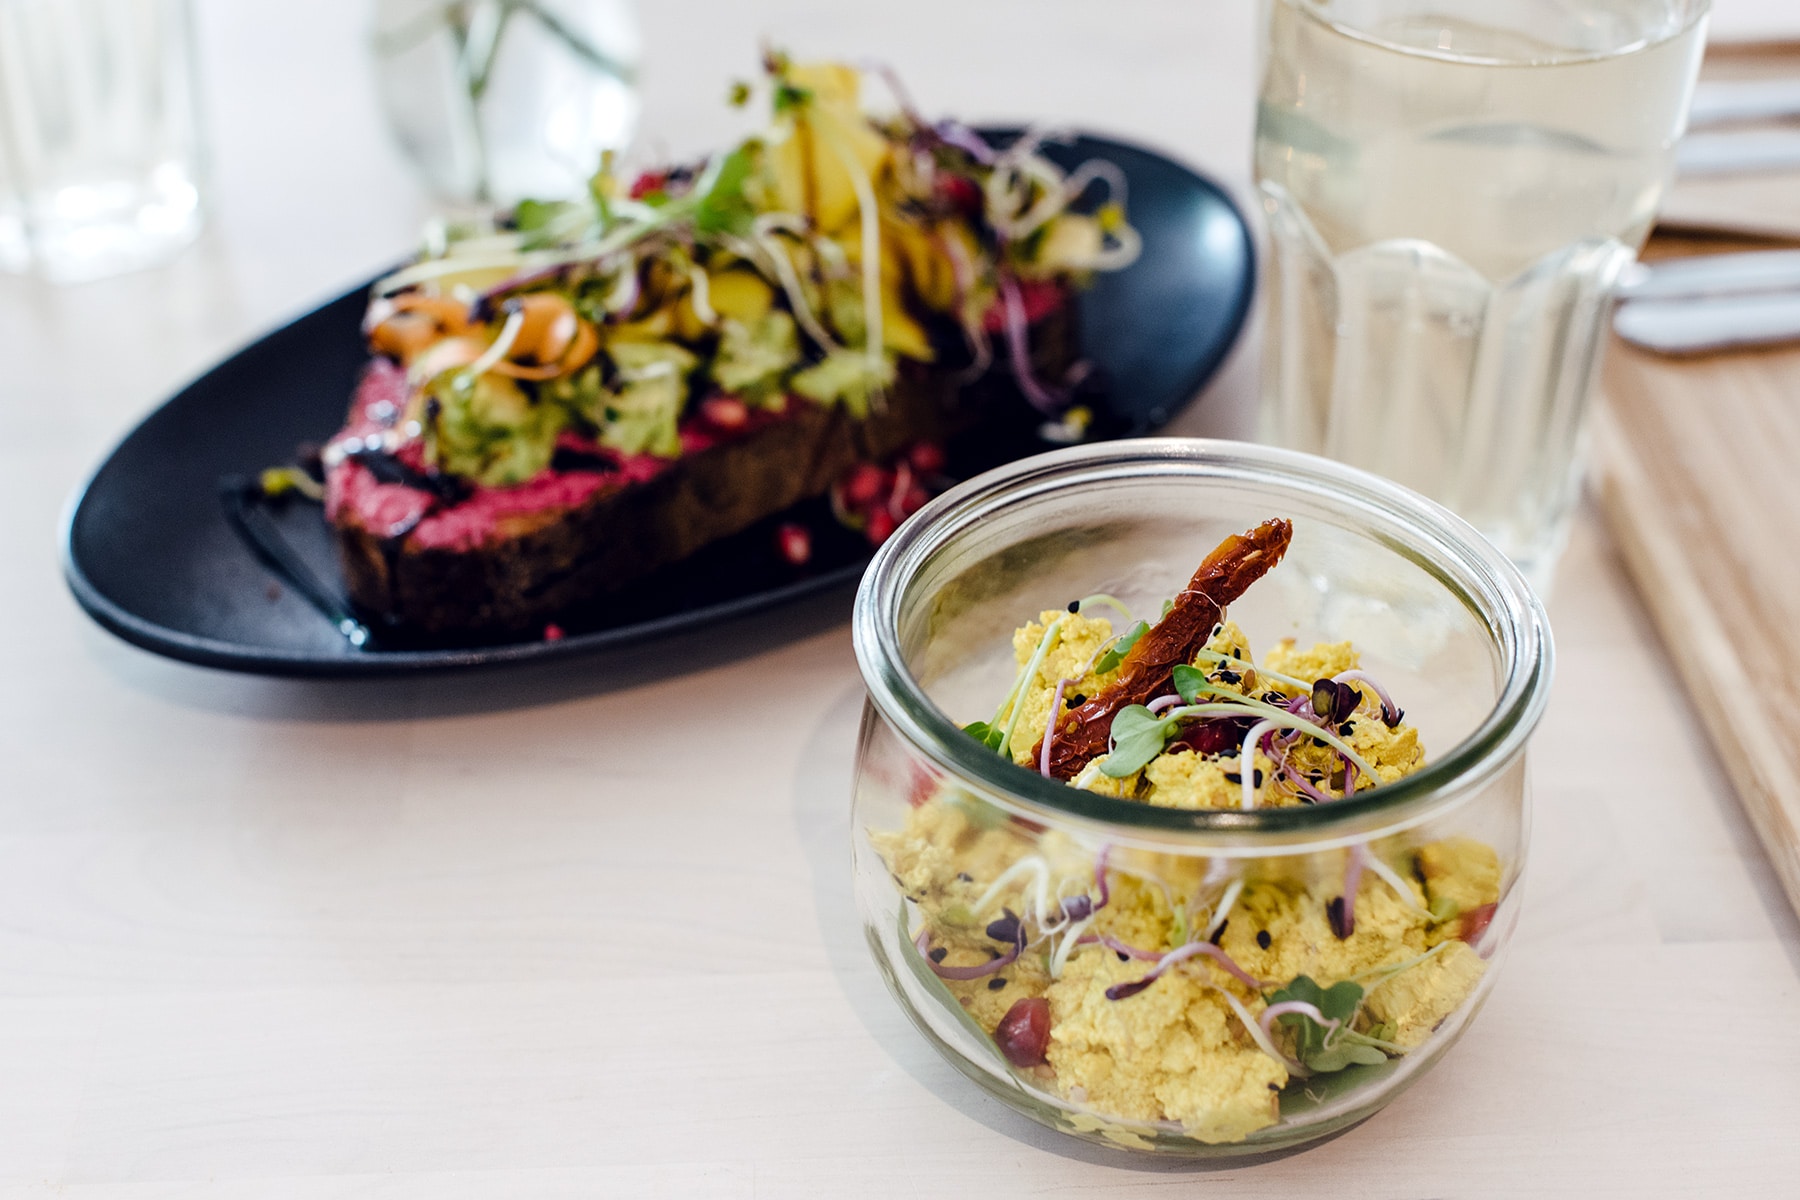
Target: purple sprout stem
(923, 942)
(1301, 783)
(1168, 960)
(1050, 727)
(1042, 398)
(1266, 1022)
(1116, 946)
(1353, 870)
(1390, 712)
(1162, 703)
(966, 139)
(1100, 883)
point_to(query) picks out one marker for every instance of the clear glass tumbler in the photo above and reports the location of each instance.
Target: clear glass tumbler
(100, 148)
(498, 101)
(1397, 903)
(1452, 190)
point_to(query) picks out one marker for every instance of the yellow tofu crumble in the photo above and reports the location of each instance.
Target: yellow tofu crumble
(1179, 1044)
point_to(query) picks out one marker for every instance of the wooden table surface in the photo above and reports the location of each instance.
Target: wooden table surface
(537, 934)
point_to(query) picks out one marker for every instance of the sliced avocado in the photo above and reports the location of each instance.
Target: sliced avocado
(490, 431)
(846, 377)
(752, 357)
(641, 416)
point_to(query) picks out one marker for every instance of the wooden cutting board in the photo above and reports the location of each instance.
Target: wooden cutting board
(1699, 477)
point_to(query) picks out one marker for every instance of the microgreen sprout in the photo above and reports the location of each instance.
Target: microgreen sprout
(1026, 677)
(1391, 713)
(997, 963)
(1344, 921)
(1389, 876)
(1223, 912)
(1109, 661)
(1101, 598)
(1247, 760)
(1121, 991)
(1321, 1019)
(1056, 703)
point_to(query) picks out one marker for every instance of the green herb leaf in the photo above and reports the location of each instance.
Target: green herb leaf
(1187, 682)
(724, 208)
(1321, 1047)
(986, 734)
(1110, 661)
(1138, 736)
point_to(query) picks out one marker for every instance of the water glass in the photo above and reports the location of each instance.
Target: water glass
(100, 150)
(1452, 190)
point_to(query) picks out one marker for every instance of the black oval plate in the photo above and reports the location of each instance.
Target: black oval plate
(150, 556)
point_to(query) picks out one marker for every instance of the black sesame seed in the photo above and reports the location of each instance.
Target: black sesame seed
(1342, 923)
(1345, 729)
(1274, 1087)
(1219, 933)
(1123, 957)
(939, 953)
(965, 877)
(1263, 939)
(1074, 606)
(1077, 699)
(1233, 777)
(1228, 676)
(996, 983)
(1236, 653)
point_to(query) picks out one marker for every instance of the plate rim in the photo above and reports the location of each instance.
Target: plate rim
(200, 650)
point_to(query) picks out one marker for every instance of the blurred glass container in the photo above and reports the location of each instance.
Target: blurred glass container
(496, 101)
(100, 148)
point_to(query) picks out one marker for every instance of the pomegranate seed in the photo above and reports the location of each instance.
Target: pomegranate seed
(927, 458)
(1023, 1034)
(1475, 922)
(881, 526)
(649, 181)
(913, 500)
(865, 484)
(961, 193)
(553, 633)
(727, 414)
(794, 543)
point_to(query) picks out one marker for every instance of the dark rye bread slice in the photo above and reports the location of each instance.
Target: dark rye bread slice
(542, 565)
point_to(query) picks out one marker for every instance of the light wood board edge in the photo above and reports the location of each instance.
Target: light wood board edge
(1701, 651)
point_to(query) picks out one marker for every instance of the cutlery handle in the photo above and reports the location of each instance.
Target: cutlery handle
(1692, 326)
(1721, 102)
(1713, 275)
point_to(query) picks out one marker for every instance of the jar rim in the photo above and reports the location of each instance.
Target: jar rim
(1481, 577)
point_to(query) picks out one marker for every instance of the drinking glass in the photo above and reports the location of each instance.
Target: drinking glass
(1452, 190)
(498, 101)
(100, 151)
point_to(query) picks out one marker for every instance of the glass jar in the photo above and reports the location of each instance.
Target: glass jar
(1221, 1053)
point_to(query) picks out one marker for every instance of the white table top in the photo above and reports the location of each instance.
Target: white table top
(518, 934)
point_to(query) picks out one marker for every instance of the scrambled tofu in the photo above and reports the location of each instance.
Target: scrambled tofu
(1184, 1049)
